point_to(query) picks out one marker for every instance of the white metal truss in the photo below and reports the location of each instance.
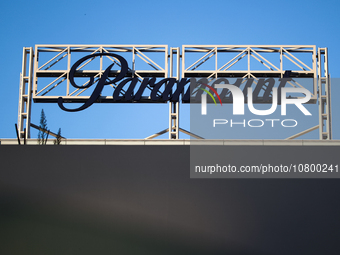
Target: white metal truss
(52, 67)
(238, 53)
(272, 61)
(208, 61)
(174, 106)
(25, 94)
(251, 61)
(324, 91)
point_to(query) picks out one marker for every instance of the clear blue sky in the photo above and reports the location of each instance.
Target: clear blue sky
(174, 23)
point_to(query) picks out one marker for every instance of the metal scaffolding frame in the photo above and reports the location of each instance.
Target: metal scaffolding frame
(222, 61)
(174, 106)
(236, 61)
(47, 69)
(324, 95)
(25, 94)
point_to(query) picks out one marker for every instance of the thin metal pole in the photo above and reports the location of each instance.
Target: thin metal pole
(16, 130)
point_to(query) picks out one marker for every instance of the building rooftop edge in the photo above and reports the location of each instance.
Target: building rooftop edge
(264, 142)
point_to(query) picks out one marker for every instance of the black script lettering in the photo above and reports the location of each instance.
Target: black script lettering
(226, 95)
(268, 89)
(249, 83)
(128, 95)
(261, 84)
(142, 87)
(180, 90)
(101, 83)
(169, 83)
(283, 82)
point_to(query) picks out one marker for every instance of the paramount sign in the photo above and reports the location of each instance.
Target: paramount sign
(132, 89)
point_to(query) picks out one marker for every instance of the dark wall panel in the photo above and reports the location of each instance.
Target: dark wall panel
(141, 200)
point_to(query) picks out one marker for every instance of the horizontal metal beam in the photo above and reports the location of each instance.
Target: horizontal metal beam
(303, 132)
(46, 131)
(184, 142)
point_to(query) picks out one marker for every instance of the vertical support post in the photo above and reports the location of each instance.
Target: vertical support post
(174, 106)
(248, 49)
(281, 62)
(216, 63)
(68, 68)
(325, 122)
(178, 78)
(315, 71)
(25, 93)
(16, 129)
(133, 61)
(171, 72)
(101, 62)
